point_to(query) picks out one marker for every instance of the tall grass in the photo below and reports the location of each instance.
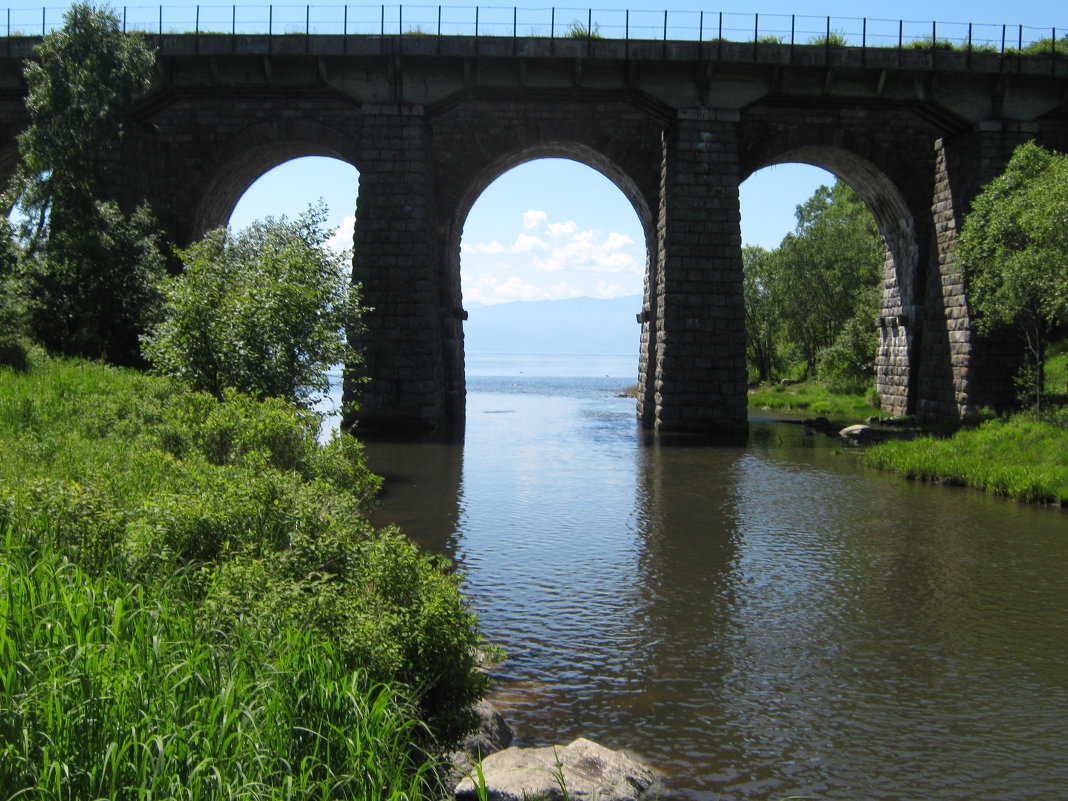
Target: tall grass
(1022, 457)
(193, 604)
(107, 692)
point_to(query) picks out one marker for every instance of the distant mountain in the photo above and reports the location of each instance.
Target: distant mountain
(579, 325)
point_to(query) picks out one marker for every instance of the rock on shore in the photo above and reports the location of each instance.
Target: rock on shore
(581, 770)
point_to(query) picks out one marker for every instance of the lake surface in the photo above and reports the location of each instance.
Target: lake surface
(752, 622)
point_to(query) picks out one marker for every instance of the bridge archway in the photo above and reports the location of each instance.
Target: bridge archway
(583, 157)
(902, 279)
(239, 161)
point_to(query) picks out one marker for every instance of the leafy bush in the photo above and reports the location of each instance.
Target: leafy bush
(235, 510)
(849, 364)
(265, 311)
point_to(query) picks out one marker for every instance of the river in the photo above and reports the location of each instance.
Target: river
(753, 622)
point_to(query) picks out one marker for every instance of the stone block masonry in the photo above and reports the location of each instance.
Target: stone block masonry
(429, 122)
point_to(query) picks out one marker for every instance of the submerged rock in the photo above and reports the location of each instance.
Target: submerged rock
(857, 434)
(581, 770)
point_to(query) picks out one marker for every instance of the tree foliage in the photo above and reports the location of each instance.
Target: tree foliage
(265, 311)
(810, 303)
(761, 318)
(1013, 249)
(89, 267)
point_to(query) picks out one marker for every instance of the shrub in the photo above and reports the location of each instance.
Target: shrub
(265, 311)
(233, 510)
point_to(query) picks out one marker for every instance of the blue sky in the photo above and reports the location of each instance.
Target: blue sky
(557, 229)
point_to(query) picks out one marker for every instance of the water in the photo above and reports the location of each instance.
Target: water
(753, 622)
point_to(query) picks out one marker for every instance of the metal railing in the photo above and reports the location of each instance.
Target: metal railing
(558, 22)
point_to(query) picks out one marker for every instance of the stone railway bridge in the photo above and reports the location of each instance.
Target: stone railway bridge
(429, 122)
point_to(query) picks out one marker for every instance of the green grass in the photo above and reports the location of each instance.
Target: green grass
(1022, 457)
(108, 692)
(814, 399)
(193, 604)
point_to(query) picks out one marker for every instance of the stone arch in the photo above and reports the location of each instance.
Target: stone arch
(216, 188)
(902, 285)
(573, 151)
(477, 183)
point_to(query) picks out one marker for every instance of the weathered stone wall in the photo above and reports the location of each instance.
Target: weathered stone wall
(699, 376)
(960, 372)
(402, 348)
(192, 154)
(429, 122)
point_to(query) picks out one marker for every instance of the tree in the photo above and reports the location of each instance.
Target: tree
(761, 315)
(266, 311)
(1013, 250)
(89, 267)
(824, 270)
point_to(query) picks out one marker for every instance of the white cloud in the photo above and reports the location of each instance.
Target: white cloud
(488, 290)
(341, 239)
(556, 246)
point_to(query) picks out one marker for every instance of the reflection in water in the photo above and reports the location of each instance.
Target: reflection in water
(754, 622)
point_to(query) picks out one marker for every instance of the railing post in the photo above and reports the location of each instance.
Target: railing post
(515, 21)
(44, 21)
(1019, 45)
(123, 21)
(756, 28)
(701, 27)
(345, 21)
(589, 22)
(270, 20)
(864, 34)
(552, 23)
(161, 20)
(1003, 39)
(665, 24)
(307, 20)
(382, 22)
(439, 21)
(400, 20)
(626, 24)
(476, 22)
(793, 28)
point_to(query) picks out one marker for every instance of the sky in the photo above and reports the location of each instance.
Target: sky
(554, 229)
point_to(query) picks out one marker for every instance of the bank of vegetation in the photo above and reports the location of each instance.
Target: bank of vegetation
(810, 318)
(1022, 456)
(1013, 249)
(193, 603)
